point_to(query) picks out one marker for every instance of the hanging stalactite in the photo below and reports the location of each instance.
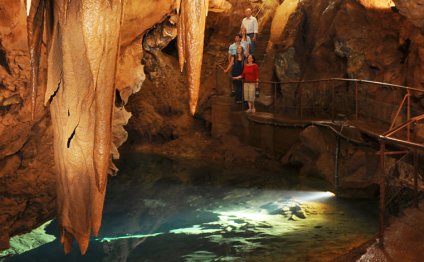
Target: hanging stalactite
(191, 34)
(80, 91)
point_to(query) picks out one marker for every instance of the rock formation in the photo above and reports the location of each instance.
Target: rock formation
(191, 30)
(81, 90)
(361, 39)
(413, 9)
(27, 179)
(351, 40)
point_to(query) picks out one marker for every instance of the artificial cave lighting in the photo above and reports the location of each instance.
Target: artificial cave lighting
(377, 4)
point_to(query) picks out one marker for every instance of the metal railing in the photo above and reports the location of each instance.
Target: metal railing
(356, 99)
(413, 147)
(324, 99)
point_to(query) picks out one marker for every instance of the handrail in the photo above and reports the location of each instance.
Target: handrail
(345, 80)
(392, 129)
(405, 124)
(355, 80)
(403, 142)
(260, 9)
(219, 65)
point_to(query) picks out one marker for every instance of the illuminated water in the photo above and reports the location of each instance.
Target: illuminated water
(161, 209)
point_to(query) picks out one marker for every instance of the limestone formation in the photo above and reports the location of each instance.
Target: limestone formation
(413, 9)
(354, 38)
(191, 31)
(81, 91)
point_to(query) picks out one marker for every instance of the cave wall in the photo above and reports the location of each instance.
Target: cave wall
(27, 171)
(164, 95)
(346, 39)
(322, 39)
(27, 179)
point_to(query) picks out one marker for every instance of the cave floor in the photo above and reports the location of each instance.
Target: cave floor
(404, 238)
(163, 209)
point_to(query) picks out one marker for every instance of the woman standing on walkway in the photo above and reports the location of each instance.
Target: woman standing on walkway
(251, 80)
(237, 63)
(245, 41)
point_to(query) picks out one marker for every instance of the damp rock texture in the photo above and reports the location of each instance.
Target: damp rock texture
(80, 91)
(413, 10)
(349, 39)
(27, 179)
(402, 238)
(191, 33)
(358, 166)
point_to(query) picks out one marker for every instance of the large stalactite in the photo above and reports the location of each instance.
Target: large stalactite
(191, 34)
(83, 46)
(83, 40)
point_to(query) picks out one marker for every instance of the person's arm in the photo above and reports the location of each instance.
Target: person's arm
(240, 76)
(230, 64)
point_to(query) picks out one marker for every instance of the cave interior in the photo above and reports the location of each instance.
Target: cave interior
(121, 137)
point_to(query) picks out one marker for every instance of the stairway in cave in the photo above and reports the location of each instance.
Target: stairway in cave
(265, 69)
(265, 62)
(262, 43)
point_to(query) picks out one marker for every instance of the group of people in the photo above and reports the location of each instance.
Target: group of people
(241, 62)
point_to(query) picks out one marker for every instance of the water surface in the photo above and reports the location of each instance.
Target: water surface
(163, 209)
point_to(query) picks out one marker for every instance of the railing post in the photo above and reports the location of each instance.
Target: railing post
(275, 98)
(408, 116)
(356, 101)
(415, 159)
(300, 88)
(336, 167)
(216, 78)
(332, 102)
(398, 111)
(382, 193)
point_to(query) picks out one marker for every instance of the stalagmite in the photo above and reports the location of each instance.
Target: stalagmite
(191, 33)
(80, 90)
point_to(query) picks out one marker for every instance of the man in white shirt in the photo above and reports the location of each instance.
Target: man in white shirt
(251, 25)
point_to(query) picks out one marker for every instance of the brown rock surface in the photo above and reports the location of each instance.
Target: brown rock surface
(346, 39)
(413, 10)
(358, 165)
(27, 181)
(83, 134)
(403, 239)
(322, 39)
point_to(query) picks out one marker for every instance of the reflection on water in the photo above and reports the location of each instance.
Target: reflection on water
(160, 209)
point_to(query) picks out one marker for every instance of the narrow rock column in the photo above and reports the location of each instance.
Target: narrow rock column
(191, 34)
